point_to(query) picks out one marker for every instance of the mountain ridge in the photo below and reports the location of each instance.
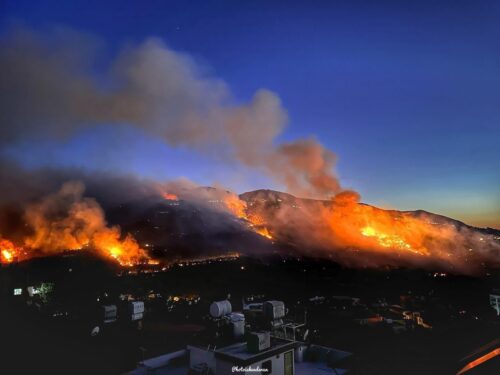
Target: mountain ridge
(275, 195)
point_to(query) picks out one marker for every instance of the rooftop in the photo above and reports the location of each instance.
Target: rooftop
(238, 353)
(315, 368)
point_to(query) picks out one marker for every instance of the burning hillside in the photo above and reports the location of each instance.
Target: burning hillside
(67, 221)
(361, 235)
(219, 199)
(342, 229)
(254, 221)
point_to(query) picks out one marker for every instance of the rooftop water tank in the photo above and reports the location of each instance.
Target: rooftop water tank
(220, 308)
(238, 324)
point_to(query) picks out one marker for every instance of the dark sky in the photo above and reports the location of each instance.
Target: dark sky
(407, 94)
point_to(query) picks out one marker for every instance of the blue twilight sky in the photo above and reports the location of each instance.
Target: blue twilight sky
(407, 94)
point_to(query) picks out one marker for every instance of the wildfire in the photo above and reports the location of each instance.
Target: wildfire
(8, 251)
(389, 240)
(66, 220)
(264, 232)
(372, 229)
(127, 252)
(170, 197)
(107, 243)
(7, 255)
(257, 223)
(238, 208)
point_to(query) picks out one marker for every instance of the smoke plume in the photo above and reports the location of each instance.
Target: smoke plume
(49, 89)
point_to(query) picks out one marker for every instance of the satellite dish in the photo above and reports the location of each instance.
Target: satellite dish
(95, 331)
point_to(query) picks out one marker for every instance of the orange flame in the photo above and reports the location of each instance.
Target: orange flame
(66, 220)
(126, 252)
(264, 232)
(257, 223)
(238, 208)
(8, 251)
(390, 240)
(370, 228)
(107, 243)
(7, 255)
(170, 196)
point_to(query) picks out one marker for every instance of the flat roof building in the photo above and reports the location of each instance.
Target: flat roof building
(232, 351)
(283, 357)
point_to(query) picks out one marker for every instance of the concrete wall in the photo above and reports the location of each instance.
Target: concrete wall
(198, 355)
(278, 366)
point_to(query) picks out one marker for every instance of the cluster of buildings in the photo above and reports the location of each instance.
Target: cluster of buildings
(397, 317)
(262, 336)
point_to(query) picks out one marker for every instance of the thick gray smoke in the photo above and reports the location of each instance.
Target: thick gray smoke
(50, 89)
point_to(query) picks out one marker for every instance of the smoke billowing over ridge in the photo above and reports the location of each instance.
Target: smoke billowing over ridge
(49, 89)
(360, 235)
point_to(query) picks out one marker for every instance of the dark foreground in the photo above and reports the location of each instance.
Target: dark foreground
(360, 311)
